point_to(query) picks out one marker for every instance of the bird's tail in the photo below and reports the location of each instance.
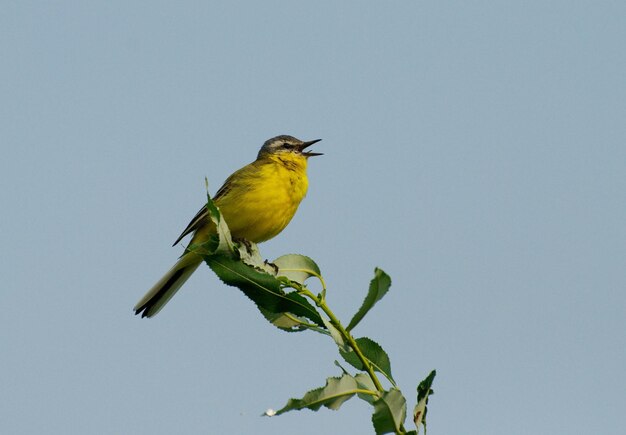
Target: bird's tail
(166, 287)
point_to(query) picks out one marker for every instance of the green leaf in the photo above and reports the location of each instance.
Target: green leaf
(289, 322)
(249, 253)
(296, 267)
(286, 322)
(378, 288)
(374, 353)
(345, 372)
(336, 335)
(389, 412)
(263, 288)
(365, 383)
(225, 240)
(332, 396)
(423, 391)
(424, 388)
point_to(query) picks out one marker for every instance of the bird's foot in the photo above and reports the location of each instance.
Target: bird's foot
(247, 244)
(272, 265)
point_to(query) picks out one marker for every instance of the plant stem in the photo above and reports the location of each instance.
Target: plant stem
(346, 335)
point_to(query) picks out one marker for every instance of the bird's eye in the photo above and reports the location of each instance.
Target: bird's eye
(288, 145)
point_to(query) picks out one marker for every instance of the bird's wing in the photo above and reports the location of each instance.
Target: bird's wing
(203, 214)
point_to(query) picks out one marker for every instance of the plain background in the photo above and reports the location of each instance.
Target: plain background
(476, 151)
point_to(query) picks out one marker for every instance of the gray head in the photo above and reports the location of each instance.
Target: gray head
(287, 144)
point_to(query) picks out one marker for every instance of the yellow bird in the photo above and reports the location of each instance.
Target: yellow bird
(257, 202)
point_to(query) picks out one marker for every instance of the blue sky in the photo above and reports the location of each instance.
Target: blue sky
(473, 150)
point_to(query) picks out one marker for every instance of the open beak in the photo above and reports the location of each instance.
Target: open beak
(308, 144)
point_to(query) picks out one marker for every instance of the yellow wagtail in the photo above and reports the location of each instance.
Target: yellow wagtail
(257, 202)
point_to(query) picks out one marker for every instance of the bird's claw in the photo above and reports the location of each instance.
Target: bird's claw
(247, 244)
(272, 265)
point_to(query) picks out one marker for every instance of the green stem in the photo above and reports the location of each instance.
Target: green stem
(346, 335)
(305, 324)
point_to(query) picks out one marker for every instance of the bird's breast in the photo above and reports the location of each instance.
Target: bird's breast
(268, 202)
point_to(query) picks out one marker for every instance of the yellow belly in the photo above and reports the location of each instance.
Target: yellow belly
(263, 197)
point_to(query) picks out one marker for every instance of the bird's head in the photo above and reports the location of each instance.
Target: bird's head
(287, 144)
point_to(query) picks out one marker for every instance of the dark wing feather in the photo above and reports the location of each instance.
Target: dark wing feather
(202, 215)
(194, 224)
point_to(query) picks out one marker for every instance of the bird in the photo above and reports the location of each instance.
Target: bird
(257, 202)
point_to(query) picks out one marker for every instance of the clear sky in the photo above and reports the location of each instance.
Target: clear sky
(476, 151)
